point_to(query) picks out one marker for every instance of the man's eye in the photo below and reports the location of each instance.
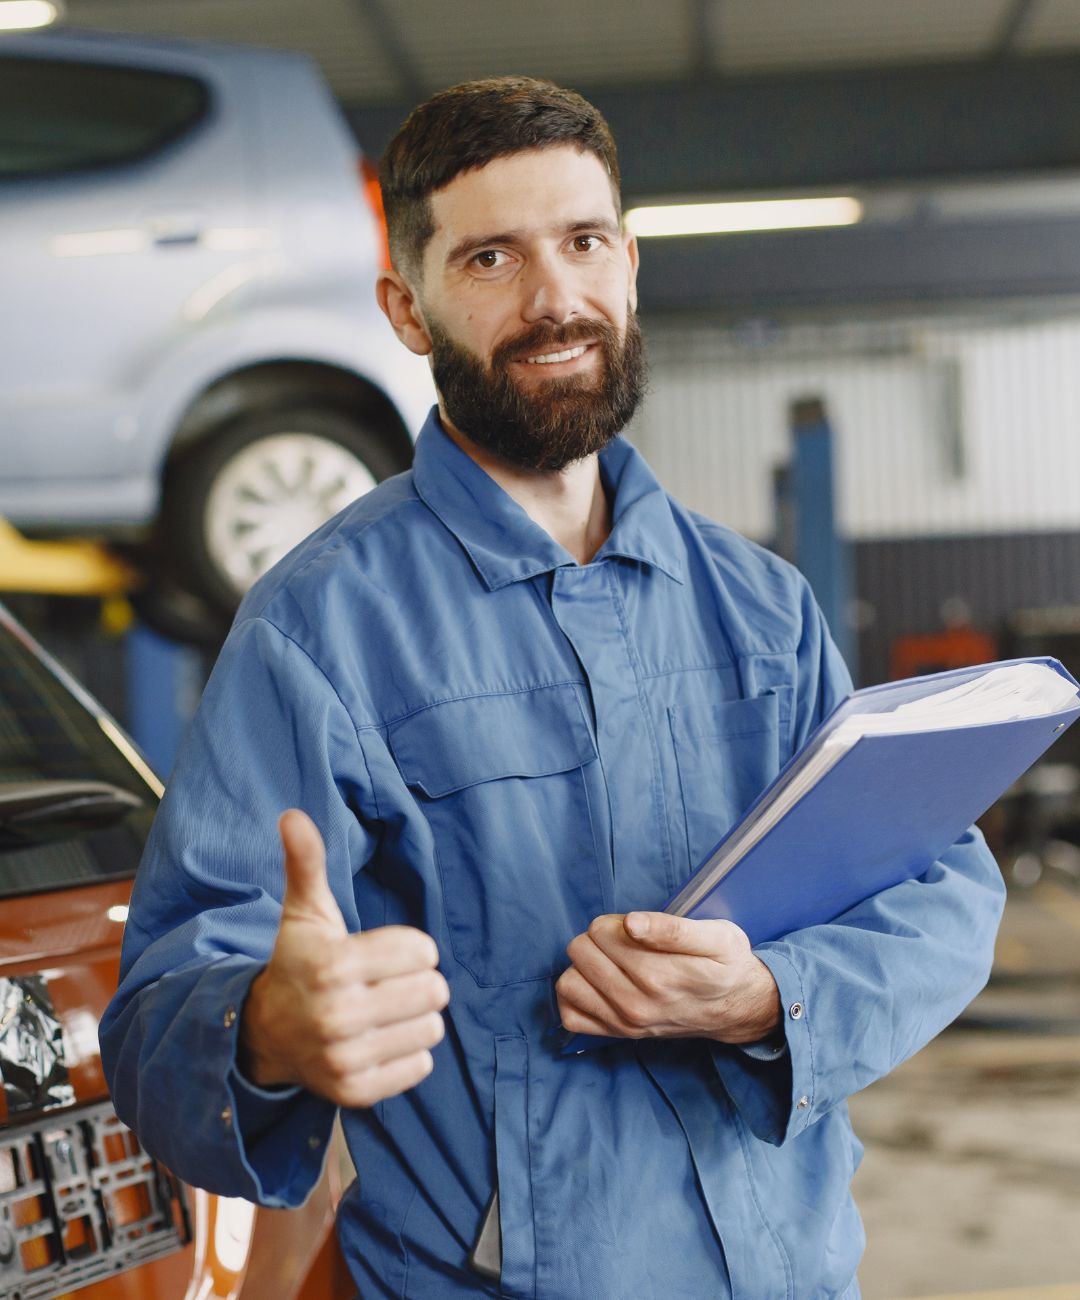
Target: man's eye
(489, 259)
(585, 243)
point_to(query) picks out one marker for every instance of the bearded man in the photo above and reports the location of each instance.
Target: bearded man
(520, 692)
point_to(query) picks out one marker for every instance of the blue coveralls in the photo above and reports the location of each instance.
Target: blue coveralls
(499, 744)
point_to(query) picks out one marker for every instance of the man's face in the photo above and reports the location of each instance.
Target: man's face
(528, 297)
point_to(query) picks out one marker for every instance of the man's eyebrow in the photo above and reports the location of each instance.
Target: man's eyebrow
(473, 243)
(607, 224)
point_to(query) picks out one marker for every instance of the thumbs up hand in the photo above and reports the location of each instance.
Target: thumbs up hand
(351, 1017)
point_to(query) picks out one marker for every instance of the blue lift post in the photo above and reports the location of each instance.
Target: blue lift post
(164, 682)
(819, 551)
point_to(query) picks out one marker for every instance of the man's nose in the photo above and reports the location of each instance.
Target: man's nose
(550, 291)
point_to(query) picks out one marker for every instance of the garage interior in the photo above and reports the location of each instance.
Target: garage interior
(935, 341)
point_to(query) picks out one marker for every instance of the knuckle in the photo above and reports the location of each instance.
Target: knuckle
(597, 926)
(360, 1094)
(570, 1018)
(635, 1013)
(321, 972)
(426, 1032)
(335, 1022)
(437, 990)
(415, 945)
(328, 1028)
(672, 929)
(336, 1063)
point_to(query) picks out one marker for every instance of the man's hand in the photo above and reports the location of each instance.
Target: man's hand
(349, 1016)
(653, 975)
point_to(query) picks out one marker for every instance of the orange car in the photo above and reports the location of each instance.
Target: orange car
(83, 1209)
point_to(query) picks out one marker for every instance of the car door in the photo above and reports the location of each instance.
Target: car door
(123, 186)
(83, 1209)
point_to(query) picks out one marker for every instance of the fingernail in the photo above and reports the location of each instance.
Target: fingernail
(637, 925)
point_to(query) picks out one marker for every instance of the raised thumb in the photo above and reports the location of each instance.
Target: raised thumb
(307, 890)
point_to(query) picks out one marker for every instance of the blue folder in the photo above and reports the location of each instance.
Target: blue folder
(881, 815)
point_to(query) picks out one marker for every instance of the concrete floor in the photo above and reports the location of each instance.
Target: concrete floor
(971, 1181)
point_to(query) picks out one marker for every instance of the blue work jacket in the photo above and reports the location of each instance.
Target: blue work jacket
(499, 744)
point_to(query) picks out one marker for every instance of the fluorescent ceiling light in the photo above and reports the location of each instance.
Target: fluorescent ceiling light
(757, 214)
(99, 243)
(21, 15)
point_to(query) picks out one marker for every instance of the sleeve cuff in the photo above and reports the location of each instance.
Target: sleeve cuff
(284, 1133)
(772, 1083)
(766, 1049)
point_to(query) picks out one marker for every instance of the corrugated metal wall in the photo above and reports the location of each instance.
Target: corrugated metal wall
(957, 451)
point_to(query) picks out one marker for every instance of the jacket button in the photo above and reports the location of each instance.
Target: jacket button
(795, 1010)
(230, 1017)
(226, 1115)
(802, 1103)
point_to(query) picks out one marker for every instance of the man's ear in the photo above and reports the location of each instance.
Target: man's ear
(399, 304)
(632, 258)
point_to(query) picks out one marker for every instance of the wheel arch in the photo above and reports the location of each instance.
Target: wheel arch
(267, 386)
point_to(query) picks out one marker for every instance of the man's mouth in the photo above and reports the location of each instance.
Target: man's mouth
(553, 358)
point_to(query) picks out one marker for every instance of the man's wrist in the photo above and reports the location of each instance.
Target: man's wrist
(754, 1015)
(253, 1063)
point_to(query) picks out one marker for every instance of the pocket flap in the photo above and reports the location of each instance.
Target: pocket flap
(733, 718)
(459, 743)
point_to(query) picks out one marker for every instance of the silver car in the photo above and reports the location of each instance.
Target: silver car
(190, 349)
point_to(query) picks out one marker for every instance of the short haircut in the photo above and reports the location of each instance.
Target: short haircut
(469, 126)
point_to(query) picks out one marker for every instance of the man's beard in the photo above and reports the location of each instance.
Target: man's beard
(556, 423)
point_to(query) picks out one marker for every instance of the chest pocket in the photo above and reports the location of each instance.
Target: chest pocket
(501, 781)
(726, 755)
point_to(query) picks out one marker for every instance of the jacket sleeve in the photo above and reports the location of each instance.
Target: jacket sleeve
(861, 994)
(270, 733)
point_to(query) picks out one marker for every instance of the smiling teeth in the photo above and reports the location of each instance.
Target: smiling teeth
(552, 357)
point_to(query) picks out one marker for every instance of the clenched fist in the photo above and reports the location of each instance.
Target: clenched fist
(351, 1017)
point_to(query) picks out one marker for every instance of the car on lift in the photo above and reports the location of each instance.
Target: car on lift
(193, 357)
(84, 1210)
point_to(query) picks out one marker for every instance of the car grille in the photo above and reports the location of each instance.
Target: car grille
(81, 1201)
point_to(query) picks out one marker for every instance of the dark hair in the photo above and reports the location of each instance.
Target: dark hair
(468, 126)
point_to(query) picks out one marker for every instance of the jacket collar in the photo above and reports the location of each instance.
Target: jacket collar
(502, 541)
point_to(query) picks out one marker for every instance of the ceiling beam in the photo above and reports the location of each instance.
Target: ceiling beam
(1017, 17)
(379, 17)
(704, 25)
(739, 134)
(778, 132)
(956, 261)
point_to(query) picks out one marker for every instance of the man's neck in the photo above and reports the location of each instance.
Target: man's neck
(569, 505)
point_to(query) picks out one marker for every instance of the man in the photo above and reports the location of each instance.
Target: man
(520, 692)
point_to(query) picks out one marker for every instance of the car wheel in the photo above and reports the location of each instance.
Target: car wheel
(243, 497)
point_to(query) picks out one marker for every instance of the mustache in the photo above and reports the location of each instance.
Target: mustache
(545, 337)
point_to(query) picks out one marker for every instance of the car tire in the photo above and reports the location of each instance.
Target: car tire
(244, 496)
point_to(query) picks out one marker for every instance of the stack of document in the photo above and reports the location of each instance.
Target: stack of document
(893, 777)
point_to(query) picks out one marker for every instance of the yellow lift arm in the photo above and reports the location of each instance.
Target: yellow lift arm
(69, 568)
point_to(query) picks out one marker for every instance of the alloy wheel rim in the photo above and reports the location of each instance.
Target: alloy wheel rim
(271, 495)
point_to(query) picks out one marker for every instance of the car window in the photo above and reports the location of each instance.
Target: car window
(47, 734)
(60, 116)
